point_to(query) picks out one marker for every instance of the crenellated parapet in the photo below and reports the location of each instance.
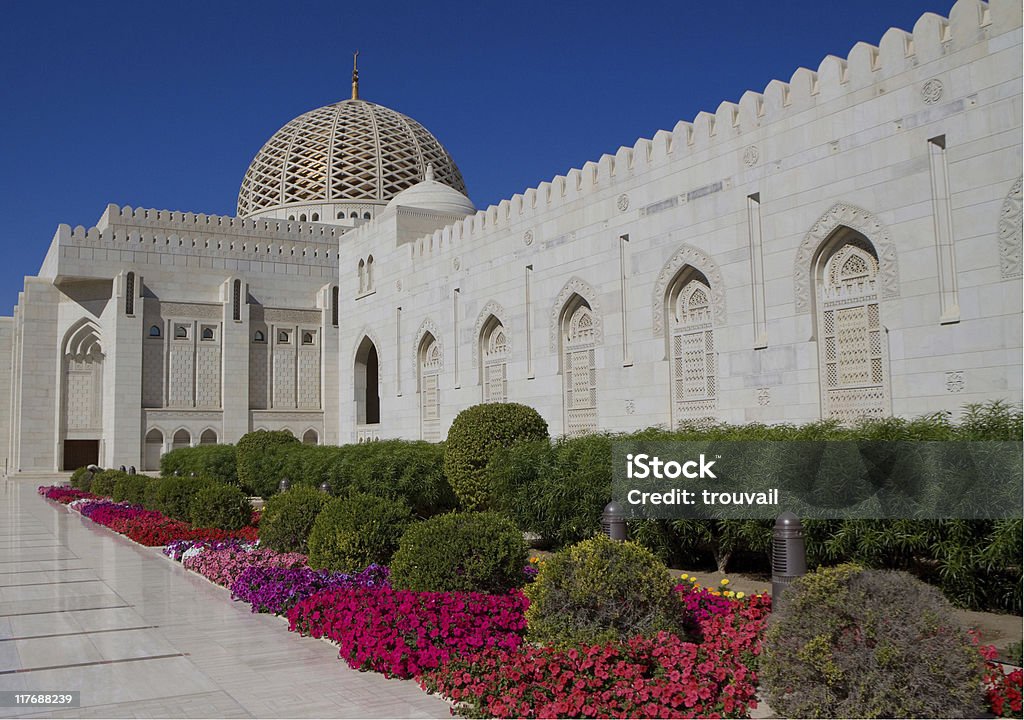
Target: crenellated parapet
(867, 71)
(197, 234)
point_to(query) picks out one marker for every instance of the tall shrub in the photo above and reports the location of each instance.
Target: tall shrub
(261, 457)
(288, 519)
(476, 433)
(217, 462)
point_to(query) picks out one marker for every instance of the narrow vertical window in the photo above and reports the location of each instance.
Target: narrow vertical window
(129, 294)
(236, 300)
(334, 306)
(693, 357)
(579, 368)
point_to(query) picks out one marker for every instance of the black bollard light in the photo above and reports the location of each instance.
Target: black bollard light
(613, 521)
(325, 487)
(123, 469)
(177, 473)
(131, 470)
(789, 555)
(284, 485)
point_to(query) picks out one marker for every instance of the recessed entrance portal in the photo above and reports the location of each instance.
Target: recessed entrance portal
(79, 453)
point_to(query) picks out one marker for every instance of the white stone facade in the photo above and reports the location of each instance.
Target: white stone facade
(845, 244)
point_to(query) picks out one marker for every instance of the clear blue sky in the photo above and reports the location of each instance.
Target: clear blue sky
(163, 104)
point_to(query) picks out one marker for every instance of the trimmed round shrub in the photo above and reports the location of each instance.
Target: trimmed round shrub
(850, 642)
(473, 551)
(220, 506)
(288, 519)
(354, 532)
(261, 458)
(216, 462)
(173, 495)
(476, 433)
(131, 488)
(601, 591)
(81, 479)
(103, 482)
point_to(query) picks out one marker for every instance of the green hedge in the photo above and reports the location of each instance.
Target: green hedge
(260, 460)
(104, 481)
(217, 462)
(173, 495)
(560, 490)
(131, 488)
(475, 435)
(288, 519)
(216, 505)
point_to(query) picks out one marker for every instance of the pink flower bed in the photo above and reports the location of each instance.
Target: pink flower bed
(64, 494)
(402, 633)
(224, 565)
(642, 677)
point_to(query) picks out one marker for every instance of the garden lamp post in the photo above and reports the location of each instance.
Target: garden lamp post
(613, 521)
(789, 555)
(284, 485)
(325, 487)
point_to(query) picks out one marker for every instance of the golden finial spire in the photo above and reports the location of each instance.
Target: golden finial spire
(355, 76)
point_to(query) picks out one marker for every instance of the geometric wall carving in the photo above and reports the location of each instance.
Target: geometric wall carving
(1010, 234)
(491, 308)
(855, 218)
(578, 287)
(427, 326)
(688, 255)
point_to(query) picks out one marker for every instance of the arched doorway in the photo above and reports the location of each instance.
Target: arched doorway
(154, 449)
(208, 437)
(181, 439)
(494, 360)
(310, 437)
(367, 383)
(82, 395)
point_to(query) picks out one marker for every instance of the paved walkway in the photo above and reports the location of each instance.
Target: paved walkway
(82, 608)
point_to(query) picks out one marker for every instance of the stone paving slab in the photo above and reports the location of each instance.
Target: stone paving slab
(82, 608)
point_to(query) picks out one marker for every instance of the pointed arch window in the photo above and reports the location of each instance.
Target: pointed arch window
(692, 353)
(852, 347)
(429, 364)
(579, 367)
(494, 361)
(236, 300)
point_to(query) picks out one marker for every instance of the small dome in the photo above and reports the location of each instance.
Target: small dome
(351, 151)
(434, 196)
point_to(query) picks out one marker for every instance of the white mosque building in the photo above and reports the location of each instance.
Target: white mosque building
(844, 244)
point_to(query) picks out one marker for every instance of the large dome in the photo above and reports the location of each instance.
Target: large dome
(332, 161)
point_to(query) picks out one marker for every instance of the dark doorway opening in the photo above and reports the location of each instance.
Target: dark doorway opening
(79, 453)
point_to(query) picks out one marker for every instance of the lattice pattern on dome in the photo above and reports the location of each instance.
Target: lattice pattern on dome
(349, 151)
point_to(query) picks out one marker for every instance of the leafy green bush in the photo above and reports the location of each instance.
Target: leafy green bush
(410, 470)
(476, 433)
(131, 488)
(288, 519)
(81, 479)
(482, 551)
(356, 531)
(261, 457)
(600, 591)
(173, 495)
(216, 505)
(149, 495)
(217, 462)
(103, 482)
(413, 471)
(850, 642)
